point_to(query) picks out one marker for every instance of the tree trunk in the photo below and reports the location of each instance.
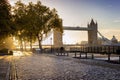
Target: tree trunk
(30, 44)
(40, 46)
(25, 45)
(21, 45)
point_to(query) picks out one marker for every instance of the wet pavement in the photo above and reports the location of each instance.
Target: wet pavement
(50, 67)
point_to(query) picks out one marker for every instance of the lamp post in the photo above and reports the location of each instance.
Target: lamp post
(51, 44)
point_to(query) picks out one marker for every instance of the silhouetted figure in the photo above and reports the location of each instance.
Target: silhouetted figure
(62, 50)
(11, 53)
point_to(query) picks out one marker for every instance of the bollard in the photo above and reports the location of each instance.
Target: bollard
(109, 56)
(86, 55)
(80, 55)
(75, 54)
(92, 56)
(63, 53)
(119, 59)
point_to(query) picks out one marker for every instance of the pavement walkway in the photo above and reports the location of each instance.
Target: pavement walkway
(5, 67)
(51, 67)
(28, 66)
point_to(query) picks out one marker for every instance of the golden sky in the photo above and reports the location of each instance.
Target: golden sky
(79, 13)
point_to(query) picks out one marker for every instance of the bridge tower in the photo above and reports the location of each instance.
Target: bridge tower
(57, 39)
(92, 33)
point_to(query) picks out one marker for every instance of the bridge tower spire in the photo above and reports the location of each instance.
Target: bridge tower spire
(92, 33)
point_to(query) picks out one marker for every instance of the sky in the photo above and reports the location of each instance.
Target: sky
(79, 13)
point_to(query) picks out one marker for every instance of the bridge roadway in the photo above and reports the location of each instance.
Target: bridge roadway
(76, 28)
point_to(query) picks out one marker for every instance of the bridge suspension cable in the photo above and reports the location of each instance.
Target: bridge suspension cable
(106, 40)
(47, 35)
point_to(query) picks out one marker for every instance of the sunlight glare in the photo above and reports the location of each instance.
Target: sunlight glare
(17, 53)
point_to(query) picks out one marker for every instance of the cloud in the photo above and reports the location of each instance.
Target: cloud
(117, 21)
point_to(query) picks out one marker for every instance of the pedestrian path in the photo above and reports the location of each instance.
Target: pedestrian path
(51, 67)
(4, 68)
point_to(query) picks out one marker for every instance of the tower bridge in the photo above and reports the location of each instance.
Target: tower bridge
(92, 29)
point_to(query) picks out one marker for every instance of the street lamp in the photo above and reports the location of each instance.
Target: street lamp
(51, 44)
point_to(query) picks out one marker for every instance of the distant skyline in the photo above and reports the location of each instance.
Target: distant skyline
(80, 12)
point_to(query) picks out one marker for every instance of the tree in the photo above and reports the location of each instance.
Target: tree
(42, 20)
(20, 21)
(5, 19)
(35, 20)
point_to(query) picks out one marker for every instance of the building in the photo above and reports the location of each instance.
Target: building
(114, 40)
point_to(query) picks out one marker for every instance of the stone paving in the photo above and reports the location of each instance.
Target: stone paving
(4, 68)
(51, 67)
